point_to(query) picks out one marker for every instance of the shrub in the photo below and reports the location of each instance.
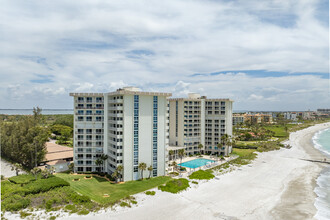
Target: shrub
(134, 202)
(70, 207)
(76, 179)
(150, 193)
(201, 175)
(174, 173)
(88, 177)
(175, 186)
(124, 204)
(194, 182)
(2, 177)
(22, 179)
(44, 185)
(24, 214)
(49, 204)
(83, 212)
(14, 203)
(79, 199)
(182, 169)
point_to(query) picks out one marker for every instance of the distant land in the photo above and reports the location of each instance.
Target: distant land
(70, 111)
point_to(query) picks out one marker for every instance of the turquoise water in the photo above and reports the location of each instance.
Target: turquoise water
(321, 141)
(196, 163)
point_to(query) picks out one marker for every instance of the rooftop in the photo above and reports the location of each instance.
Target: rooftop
(58, 152)
(125, 90)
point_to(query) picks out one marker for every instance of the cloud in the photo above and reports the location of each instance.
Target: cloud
(219, 48)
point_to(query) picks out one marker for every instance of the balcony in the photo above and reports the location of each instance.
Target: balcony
(116, 101)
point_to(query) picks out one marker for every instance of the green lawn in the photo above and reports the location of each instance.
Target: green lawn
(96, 187)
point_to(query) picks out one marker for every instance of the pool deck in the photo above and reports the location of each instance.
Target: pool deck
(191, 170)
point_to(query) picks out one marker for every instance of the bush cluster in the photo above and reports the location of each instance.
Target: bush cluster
(44, 185)
(22, 179)
(175, 186)
(201, 175)
(150, 193)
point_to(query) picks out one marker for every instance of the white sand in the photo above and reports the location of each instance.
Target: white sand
(277, 185)
(256, 191)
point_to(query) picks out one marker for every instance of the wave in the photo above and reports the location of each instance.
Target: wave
(315, 139)
(322, 190)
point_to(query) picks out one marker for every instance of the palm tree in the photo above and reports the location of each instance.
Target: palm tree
(170, 153)
(35, 172)
(224, 140)
(17, 167)
(71, 167)
(181, 154)
(115, 175)
(150, 170)
(142, 166)
(104, 157)
(120, 169)
(174, 164)
(98, 163)
(200, 147)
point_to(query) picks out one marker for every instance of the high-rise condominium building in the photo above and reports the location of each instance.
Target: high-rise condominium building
(197, 120)
(128, 125)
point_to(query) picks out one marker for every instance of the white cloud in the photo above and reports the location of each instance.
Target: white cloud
(95, 46)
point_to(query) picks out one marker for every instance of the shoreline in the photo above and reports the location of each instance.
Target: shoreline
(265, 189)
(306, 181)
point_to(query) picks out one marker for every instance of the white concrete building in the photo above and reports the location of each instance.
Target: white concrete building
(197, 120)
(290, 115)
(128, 125)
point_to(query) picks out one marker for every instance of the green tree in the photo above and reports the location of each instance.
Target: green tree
(200, 147)
(115, 175)
(104, 157)
(23, 141)
(45, 173)
(150, 170)
(174, 164)
(181, 154)
(71, 167)
(142, 166)
(98, 163)
(35, 171)
(17, 167)
(170, 153)
(120, 169)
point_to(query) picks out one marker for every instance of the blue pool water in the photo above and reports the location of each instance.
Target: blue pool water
(196, 163)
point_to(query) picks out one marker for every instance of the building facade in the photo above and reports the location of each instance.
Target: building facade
(197, 120)
(128, 125)
(238, 119)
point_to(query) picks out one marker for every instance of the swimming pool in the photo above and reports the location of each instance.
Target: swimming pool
(196, 163)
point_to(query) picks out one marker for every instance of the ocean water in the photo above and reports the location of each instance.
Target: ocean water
(30, 111)
(321, 141)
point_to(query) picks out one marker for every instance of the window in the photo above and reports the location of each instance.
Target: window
(89, 99)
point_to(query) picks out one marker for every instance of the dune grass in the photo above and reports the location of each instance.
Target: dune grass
(175, 186)
(202, 175)
(97, 187)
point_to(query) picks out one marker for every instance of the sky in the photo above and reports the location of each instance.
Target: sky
(270, 55)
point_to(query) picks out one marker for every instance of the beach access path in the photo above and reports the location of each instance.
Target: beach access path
(277, 185)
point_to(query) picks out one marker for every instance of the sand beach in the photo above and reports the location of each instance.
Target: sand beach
(277, 185)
